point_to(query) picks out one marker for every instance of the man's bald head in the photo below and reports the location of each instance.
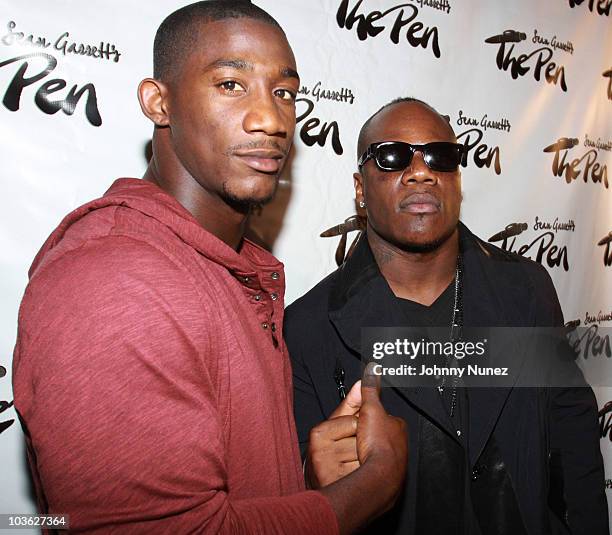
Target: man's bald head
(178, 34)
(364, 138)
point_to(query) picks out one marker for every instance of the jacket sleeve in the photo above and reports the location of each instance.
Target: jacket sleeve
(306, 403)
(574, 435)
(115, 384)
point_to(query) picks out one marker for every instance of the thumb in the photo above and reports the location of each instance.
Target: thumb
(370, 385)
(351, 404)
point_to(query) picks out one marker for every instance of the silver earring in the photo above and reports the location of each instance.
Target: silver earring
(361, 204)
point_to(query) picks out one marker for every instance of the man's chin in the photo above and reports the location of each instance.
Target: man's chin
(248, 202)
(421, 247)
(424, 243)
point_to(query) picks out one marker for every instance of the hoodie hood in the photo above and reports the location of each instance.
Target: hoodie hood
(150, 200)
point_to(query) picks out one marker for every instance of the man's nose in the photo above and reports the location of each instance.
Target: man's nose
(264, 116)
(418, 172)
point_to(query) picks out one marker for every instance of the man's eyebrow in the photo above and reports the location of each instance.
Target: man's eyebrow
(242, 65)
(239, 64)
(288, 72)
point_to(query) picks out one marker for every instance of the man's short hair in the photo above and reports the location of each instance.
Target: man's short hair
(179, 31)
(362, 140)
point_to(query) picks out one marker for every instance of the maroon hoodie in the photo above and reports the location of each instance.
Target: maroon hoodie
(152, 379)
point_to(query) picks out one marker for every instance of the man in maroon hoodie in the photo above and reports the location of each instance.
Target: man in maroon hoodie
(150, 373)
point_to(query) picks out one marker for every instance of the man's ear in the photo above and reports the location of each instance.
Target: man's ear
(153, 98)
(358, 182)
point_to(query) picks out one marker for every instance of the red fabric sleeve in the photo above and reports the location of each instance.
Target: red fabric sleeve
(115, 381)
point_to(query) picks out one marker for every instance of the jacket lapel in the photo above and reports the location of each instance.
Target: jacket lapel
(488, 297)
(360, 298)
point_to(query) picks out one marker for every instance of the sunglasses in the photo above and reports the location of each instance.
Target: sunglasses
(397, 155)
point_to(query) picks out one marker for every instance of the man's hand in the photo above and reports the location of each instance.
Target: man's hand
(382, 441)
(332, 446)
(382, 452)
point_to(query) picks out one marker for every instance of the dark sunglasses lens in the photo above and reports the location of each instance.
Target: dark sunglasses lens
(443, 156)
(394, 156)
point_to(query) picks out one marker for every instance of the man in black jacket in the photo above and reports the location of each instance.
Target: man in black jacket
(479, 458)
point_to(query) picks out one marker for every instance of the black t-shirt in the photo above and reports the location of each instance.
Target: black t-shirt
(440, 314)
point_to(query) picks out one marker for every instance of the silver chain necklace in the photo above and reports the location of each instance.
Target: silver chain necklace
(455, 333)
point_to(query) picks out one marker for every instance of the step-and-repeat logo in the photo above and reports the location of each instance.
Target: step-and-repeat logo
(543, 247)
(526, 60)
(589, 342)
(585, 165)
(402, 21)
(473, 136)
(313, 130)
(33, 70)
(4, 406)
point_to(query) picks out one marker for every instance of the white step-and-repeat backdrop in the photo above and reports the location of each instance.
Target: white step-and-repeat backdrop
(527, 85)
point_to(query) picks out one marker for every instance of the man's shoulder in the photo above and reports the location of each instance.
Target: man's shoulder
(508, 262)
(101, 268)
(91, 247)
(521, 281)
(104, 258)
(313, 304)
(112, 290)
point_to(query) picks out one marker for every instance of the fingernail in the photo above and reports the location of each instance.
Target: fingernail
(369, 378)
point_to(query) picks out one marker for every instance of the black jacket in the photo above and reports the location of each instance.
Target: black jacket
(323, 329)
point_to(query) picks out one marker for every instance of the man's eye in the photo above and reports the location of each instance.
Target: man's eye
(285, 94)
(231, 86)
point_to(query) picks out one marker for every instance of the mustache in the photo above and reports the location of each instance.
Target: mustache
(420, 197)
(255, 145)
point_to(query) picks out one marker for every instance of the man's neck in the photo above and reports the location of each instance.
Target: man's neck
(418, 276)
(214, 215)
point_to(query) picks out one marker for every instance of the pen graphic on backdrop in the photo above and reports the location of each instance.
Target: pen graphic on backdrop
(538, 61)
(513, 229)
(308, 131)
(594, 170)
(482, 154)
(414, 31)
(541, 249)
(33, 69)
(43, 97)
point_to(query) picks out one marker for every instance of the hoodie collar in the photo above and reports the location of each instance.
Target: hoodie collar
(150, 200)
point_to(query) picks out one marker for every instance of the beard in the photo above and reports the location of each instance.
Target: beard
(249, 203)
(428, 246)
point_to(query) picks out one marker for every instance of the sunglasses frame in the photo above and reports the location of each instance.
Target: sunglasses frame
(371, 153)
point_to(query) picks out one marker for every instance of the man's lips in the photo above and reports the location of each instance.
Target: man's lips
(262, 160)
(420, 203)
